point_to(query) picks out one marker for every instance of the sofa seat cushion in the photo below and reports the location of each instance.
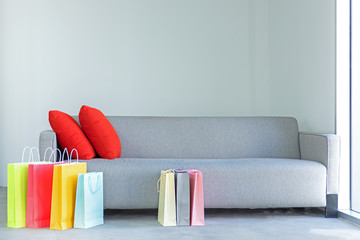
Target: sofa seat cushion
(228, 183)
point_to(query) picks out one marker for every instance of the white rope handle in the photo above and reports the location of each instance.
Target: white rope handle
(67, 154)
(48, 148)
(77, 154)
(55, 151)
(23, 153)
(32, 155)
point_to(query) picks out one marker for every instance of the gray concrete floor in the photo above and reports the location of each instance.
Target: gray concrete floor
(220, 224)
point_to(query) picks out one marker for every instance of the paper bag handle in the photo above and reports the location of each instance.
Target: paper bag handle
(158, 184)
(63, 155)
(162, 174)
(48, 148)
(32, 155)
(97, 185)
(55, 151)
(77, 154)
(69, 156)
(23, 153)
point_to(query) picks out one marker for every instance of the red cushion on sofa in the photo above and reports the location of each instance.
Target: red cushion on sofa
(70, 135)
(100, 132)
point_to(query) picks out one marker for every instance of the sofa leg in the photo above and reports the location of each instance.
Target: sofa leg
(331, 209)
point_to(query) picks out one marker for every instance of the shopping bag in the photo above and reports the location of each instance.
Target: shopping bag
(182, 188)
(89, 206)
(167, 209)
(39, 190)
(196, 198)
(64, 193)
(17, 190)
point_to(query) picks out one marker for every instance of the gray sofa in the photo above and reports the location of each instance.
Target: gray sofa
(247, 162)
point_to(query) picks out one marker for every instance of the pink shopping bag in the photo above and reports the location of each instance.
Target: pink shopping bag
(197, 214)
(39, 190)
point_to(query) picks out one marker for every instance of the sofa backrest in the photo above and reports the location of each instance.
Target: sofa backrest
(207, 137)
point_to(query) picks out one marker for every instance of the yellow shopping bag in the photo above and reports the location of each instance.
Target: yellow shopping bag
(167, 206)
(64, 194)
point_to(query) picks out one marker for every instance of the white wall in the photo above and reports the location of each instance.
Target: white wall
(164, 57)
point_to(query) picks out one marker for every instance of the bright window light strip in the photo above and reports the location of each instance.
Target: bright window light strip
(343, 98)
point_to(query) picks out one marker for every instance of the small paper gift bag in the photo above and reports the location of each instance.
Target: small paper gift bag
(182, 187)
(167, 206)
(197, 214)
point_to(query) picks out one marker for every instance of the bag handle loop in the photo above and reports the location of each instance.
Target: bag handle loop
(55, 151)
(92, 191)
(23, 153)
(48, 148)
(32, 154)
(70, 155)
(163, 174)
(77, 154)
(63, 155)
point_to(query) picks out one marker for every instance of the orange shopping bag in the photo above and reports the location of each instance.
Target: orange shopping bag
(64, 193)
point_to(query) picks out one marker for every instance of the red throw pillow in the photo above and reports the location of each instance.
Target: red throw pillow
(100, 132)
(70, 135)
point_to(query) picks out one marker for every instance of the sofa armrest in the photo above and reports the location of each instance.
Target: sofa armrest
(47, 139)
(323, 148)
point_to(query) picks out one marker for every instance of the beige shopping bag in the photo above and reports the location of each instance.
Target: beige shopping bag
(167, 206)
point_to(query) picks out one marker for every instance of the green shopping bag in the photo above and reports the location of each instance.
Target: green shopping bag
(17, 190)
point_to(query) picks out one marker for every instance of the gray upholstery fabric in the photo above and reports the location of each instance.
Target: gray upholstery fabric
(324, 148)
(47, 139)
(207, 137)
(228, 183)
